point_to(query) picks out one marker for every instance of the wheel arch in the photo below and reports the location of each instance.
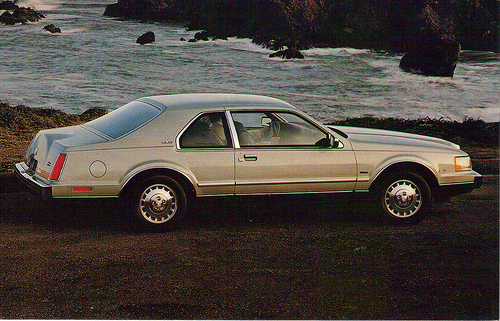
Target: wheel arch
(407, 166)
(138, 177)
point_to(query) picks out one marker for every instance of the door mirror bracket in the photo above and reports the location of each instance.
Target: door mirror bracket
(329, 141)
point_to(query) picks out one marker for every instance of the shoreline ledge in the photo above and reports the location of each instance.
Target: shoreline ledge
(430, 33)
(367, 24)
(480, 139)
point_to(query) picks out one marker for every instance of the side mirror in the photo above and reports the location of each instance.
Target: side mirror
(329, 141)
(336, 143)
(333, 141)
(266, 121)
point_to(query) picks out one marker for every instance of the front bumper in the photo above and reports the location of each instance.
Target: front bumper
(444, 192)
(27, 177)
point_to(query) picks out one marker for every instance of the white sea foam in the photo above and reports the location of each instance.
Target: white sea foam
(61, 16)
(337, 52)
(74, 30)
(243, 44)
(41, 5)
(328, 97)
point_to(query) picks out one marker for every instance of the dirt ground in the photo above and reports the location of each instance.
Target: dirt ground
(279, 258)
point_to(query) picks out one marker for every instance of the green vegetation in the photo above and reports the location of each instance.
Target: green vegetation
(19, 124)
(30, 120)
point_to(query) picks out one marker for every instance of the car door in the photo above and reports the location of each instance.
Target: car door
(206, 149)
(286, 153)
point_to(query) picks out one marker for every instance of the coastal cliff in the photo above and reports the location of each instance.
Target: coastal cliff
(378, 24)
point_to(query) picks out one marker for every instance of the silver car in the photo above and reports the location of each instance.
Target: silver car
(158, 154)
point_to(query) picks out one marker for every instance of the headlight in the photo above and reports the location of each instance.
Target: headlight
(462, 163)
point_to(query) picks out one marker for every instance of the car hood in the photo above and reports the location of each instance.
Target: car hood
(367, 138)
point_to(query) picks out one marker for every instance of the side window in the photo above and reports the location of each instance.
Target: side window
(207, 131)
(275, 129)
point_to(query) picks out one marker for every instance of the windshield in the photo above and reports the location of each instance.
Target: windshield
(124, 119)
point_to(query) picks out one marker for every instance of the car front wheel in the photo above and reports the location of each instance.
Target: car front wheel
(159, 202)
(404, 198)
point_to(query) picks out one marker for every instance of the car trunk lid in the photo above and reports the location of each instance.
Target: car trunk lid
(44, 151)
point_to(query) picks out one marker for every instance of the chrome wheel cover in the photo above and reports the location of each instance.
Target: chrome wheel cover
(402, 199)
(158, 203)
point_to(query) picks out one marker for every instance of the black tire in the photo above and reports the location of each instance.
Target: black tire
(158, 203)
(403, 198)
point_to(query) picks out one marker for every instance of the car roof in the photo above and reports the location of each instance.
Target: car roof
(215, 101)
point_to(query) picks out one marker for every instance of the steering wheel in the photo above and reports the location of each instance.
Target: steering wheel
(272, 131)
(275, 129)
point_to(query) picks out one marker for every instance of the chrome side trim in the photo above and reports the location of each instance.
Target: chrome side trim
(281, 193)
(215, 184)
(322, 181)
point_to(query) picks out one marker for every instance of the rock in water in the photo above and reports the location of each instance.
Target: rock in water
(20, 15)
(289, 53)
(52, 29)
(431, 48)
(148, 37)
(441, 62)
(8, 5)
(201, 35)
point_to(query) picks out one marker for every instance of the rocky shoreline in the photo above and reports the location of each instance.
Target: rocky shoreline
(15, 14)
(19, 124)
(431, 33)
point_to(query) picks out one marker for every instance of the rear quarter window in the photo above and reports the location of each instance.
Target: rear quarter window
(125, 119)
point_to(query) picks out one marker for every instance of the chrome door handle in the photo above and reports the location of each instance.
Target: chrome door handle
(250, 158)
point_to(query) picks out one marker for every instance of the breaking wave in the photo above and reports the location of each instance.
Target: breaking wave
(40, 5)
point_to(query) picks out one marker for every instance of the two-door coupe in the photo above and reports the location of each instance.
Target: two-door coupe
(160, 153)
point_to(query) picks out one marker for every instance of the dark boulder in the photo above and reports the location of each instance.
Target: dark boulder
(440, 61)
(7, 18)
(289, 53)
(201, 35)
(430, 45)
(8, 5)
(20, 15)
(27, 14)
(52, 29)
(148, 37)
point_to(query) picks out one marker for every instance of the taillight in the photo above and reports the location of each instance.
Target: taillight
(57, 169)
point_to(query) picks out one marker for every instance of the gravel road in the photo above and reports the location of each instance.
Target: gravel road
(291, 258)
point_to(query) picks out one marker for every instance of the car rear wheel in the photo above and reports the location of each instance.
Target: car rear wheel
(159, 202)
(404, 198)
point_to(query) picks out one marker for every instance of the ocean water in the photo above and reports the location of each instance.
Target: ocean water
(95, 62)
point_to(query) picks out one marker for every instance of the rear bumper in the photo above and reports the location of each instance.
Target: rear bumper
(35, 186)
